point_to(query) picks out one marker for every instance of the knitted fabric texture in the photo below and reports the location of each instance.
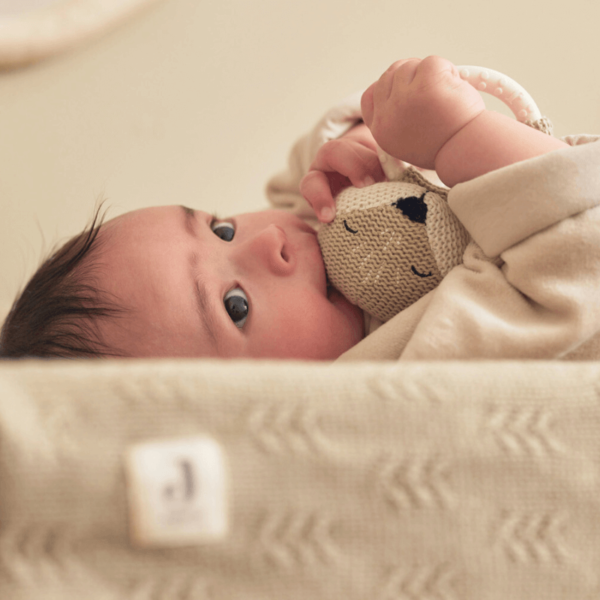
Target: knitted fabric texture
(369, 481)
(382, 258)
(391, 243)
(543, 124)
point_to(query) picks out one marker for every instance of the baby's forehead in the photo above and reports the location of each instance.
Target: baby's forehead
(146, 215)
(114, 228)
(142, 222)
(121, 240)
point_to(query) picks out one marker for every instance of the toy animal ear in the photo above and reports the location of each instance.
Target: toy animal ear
(414, 208)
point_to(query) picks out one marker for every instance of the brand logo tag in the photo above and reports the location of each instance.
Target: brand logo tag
(177, 492)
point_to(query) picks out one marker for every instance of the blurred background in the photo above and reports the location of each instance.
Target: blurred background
(199, 102)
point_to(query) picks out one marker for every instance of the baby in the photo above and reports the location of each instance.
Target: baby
(176, 282)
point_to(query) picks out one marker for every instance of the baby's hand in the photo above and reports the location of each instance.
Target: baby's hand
(350, 160)
(416, 106)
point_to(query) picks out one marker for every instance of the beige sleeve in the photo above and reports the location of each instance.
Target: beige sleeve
(504, 207)
(539, 297)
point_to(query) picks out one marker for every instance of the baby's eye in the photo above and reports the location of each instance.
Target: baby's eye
(224, 230)
(236, 305)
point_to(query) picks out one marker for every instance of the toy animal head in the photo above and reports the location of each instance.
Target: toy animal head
(390, 244)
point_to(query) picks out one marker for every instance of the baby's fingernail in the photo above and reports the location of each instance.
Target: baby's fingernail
(327, 214)
(368, 180)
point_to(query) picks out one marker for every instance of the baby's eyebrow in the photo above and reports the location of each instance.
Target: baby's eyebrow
(189, 215)
(200, 292)
(204, 310)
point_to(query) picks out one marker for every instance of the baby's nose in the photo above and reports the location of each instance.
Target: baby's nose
(269, 249)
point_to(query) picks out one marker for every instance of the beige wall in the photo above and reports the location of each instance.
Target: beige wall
(198, 102)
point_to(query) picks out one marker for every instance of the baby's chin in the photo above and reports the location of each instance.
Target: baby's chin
(352, 312)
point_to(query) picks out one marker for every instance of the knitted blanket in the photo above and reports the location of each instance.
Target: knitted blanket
(221, 480)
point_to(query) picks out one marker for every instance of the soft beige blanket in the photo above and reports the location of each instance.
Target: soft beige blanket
(366, 481)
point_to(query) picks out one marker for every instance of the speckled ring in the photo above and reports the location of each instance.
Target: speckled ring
(505, 89)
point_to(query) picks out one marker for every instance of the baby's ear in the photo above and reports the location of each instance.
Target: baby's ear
(413, 207)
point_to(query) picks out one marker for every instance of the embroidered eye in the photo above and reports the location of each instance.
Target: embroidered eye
(224, 230)
(236, 305)
(348, 228)
(418, 274)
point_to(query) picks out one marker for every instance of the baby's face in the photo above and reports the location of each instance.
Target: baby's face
(252, 285)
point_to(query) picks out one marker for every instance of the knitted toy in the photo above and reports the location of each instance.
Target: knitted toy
(392, 242)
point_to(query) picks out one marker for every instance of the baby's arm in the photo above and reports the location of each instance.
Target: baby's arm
(489, 142)
(423, 112)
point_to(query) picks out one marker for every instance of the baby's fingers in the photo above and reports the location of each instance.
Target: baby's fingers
(352, 160)
(317, 191)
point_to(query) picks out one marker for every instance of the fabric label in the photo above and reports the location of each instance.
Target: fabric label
(177, 491)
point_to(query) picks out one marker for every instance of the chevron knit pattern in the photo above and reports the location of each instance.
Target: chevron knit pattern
(379, 481)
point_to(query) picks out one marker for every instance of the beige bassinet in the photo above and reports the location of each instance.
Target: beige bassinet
(366, 481)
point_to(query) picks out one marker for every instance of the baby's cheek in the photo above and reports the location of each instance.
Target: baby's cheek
(328, 328)
(338, 328)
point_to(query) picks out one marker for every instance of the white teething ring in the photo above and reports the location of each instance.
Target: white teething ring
(503, 87)
(492, 82)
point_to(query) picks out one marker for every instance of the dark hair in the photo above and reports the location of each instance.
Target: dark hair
(57, 313)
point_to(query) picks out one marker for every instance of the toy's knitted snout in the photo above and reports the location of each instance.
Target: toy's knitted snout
(391, 243)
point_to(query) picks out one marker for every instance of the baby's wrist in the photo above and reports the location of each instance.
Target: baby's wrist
(457, 138)
(437, 130)
(489, 142)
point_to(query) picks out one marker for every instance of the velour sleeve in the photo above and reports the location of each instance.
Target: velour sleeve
(504, 207)
(529, 285)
